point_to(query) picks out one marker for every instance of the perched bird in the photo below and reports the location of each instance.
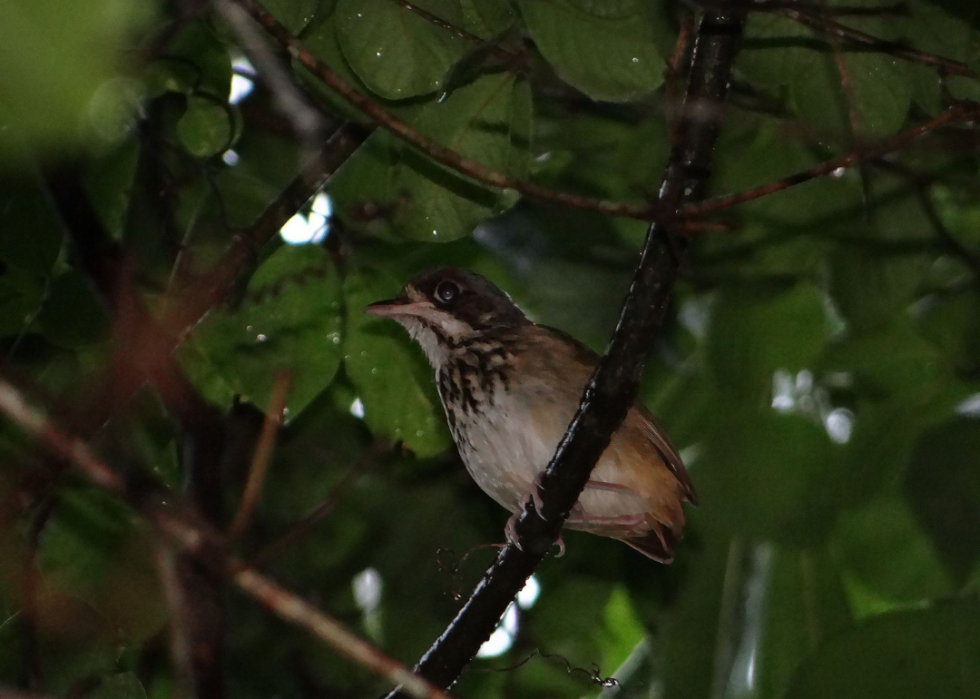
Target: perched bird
(510, 388)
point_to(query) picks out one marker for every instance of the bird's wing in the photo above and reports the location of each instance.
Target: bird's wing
(652, 430)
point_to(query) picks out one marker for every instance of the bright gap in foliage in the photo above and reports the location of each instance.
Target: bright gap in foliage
(357, 409)
(242, 82)
(311, 228)
(800, 394)
(502, 638)
(970, 407)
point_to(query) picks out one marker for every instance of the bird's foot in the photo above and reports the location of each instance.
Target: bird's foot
(510, 531)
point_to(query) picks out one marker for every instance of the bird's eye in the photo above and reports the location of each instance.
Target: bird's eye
(446, 292)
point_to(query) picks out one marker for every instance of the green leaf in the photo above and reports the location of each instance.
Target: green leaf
(205, 128)
(109, 181)
(197, 61)
(290, 319)
(747, 616)
(943, 485)
(937, 29)
(904, 655)
(95, 550)
(887, 559)
(295, 14)
(769, 475)
(60, 60)
(892, 360)
(609, 59)
(487, 121)
(397, 53)
(487, 18)
(879, 95)
(388, 370)
(755, 331)
(621, 629)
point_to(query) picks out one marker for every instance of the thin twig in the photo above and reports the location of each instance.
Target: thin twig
(956, 113)
(189, 304)
(207, 546)
(445, 156)
(307, 122)
(812, 19)
(179, 623)
(263, 454)
(615, 383)
(517, 62)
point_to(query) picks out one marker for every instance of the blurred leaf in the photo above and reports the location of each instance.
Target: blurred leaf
(887, 559)
(756, 330)
(197, 55)
(769, 475)
(749, 616)
(290, 319)
(21, 296)
(109, 183)
(122, 686)
(205, 129)
(96, 551)
(389, 371)
(943, 485)
(75, 643)
(30, 232)
(622, 629)
(890, 361)
(609, 59)
(880, 93)
(397, 53)
(60, 57)
(902, 655)
(72, 315)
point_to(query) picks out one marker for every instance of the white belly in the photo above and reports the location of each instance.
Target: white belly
(504, 448)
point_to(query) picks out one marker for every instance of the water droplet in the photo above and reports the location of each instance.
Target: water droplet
(419, 433)
(335, 339)
(636, 60)
(374, 370)
(261, 338)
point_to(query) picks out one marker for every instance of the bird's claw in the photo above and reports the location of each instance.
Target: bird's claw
(510, 531)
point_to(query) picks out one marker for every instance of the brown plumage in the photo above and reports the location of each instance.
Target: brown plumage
(510, 388)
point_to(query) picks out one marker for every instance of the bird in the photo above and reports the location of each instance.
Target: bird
(510, 387)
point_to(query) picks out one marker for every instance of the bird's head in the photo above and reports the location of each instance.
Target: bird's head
(445, 308)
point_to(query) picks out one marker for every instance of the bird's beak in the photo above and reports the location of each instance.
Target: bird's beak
(396, 308)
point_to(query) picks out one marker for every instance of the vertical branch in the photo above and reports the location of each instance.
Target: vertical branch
(146, 353)
(615, 383)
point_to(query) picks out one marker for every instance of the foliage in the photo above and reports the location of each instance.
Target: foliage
(820, 366)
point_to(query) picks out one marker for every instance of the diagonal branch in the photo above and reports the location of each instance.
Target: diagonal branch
(444, 156)
(206, 546)
(958, 113)
(819, 22)
(614, 384)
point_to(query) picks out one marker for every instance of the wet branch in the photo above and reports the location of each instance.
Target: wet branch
(614, 385)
